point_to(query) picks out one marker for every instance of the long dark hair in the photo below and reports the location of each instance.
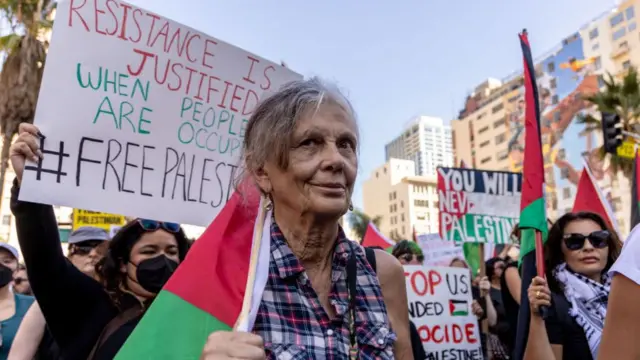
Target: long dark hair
(553, 248)
(108, 268)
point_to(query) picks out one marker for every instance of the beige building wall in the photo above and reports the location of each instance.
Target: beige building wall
(403, 200)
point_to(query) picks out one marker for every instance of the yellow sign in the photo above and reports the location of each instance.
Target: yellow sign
(96, 219)
(627, 150)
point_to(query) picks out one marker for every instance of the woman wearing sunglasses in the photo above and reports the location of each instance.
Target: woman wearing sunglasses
(579, 251)
(86, 246)
(90, 319)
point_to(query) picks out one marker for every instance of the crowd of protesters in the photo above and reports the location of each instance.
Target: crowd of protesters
(300, 147)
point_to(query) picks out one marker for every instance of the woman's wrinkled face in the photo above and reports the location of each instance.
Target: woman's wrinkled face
(150, 245)
(587, 260)
(322, 165)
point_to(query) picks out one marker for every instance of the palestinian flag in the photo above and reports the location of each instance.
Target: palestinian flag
(373, 237)
(589, 197)
(207, 291)
(532, 205)
(458, 307)
(635, 195)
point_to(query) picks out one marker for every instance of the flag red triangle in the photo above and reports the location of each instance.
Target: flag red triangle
(373, 237)
(589, 198)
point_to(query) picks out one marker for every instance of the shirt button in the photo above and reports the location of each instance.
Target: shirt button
(345, 255)
(380, 342)
(384, 331)
(329, 332)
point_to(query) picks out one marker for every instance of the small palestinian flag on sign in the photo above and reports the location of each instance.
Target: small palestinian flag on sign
(458, 307)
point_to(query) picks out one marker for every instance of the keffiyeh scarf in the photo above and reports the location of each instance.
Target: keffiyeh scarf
(588, 301)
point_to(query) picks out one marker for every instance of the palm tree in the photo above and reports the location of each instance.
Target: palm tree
(621, 98)
(24, 54)
(359, 221)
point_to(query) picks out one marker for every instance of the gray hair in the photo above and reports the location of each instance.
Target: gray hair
(269, 130)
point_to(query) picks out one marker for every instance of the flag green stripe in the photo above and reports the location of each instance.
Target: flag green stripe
(171, 329)
(471, 253)
(532, 217)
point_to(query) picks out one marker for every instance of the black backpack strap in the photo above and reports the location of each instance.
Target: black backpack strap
(115, 324)
(371, 257)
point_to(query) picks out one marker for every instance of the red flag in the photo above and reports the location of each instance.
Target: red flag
(589, 198)
(373, 237)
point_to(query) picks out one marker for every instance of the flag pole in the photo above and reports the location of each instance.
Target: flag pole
(542, 310)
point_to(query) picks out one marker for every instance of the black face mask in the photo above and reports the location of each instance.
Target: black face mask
(153, 273)
(6, 275)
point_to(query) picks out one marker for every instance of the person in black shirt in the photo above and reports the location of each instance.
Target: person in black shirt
(510, 286)
(579, 251)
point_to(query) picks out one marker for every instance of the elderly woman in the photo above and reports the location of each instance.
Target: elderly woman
(322, 299)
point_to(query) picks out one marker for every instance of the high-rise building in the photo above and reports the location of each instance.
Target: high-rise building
(426, 141)
(489, 131)
(404, 200)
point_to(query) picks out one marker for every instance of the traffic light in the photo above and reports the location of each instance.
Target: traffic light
(611, 132)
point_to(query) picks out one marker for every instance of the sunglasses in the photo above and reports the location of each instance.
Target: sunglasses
(85, 247)
(408, 257)
(598, 239)
(152, 225)
(19, 280)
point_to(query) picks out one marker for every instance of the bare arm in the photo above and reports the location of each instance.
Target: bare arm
(394, 292)
(512, 277)
(29, 335)
(622, 325)
(538, 346)
(492, 315)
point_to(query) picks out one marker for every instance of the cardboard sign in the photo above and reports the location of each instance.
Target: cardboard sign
(478, 206)
(440, 307)
(142, 116)
(97, 219)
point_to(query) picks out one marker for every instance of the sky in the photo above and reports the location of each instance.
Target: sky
(394, 60)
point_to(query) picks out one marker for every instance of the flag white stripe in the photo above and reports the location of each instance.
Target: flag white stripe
(262, 267)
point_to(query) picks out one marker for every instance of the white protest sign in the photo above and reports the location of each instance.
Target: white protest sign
(440, 307)
(142, 116)
(438, 252)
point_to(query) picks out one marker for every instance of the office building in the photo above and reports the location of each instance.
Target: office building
(489, 131)
(426, 141)
(403, 199)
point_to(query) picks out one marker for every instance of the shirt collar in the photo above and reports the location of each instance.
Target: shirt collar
(288, 264)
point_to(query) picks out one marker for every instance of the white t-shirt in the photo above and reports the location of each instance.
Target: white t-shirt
(628, 263)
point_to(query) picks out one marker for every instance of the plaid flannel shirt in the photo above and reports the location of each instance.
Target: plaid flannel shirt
(293, 323)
